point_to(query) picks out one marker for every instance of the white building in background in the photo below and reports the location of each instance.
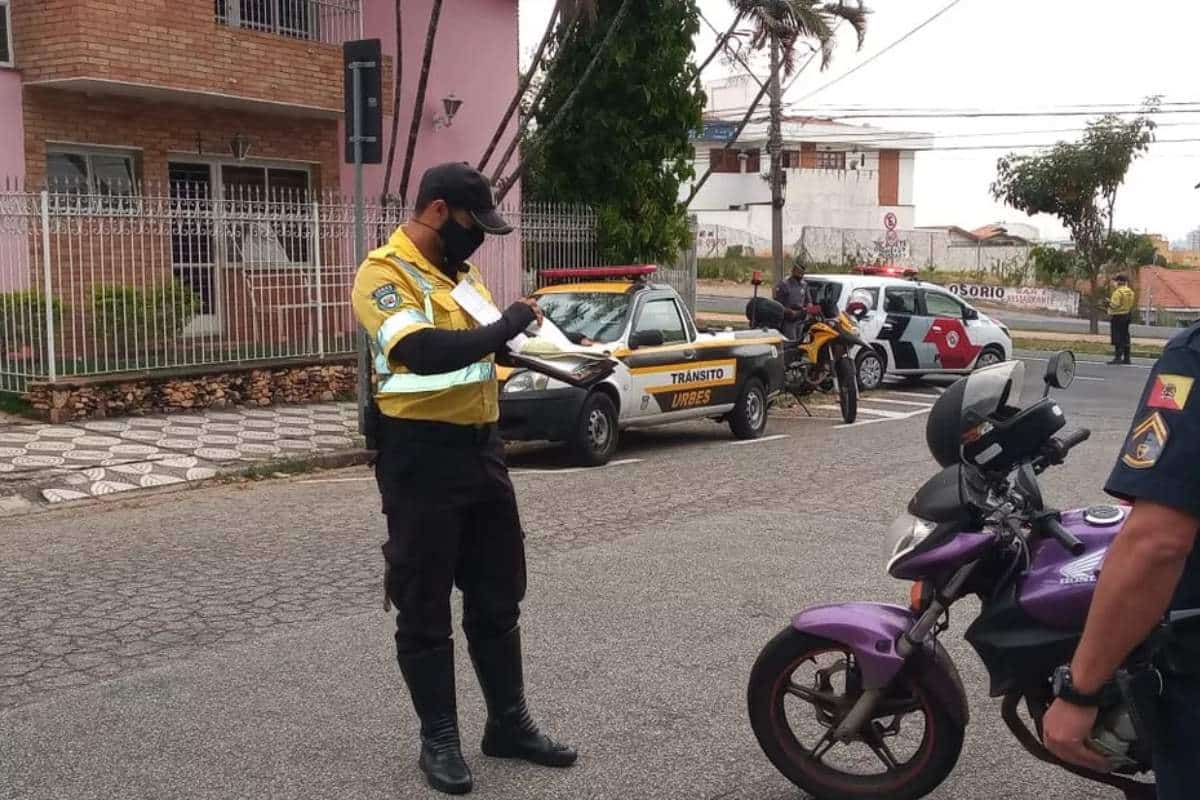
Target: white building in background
(835, 175)
(1193, 240)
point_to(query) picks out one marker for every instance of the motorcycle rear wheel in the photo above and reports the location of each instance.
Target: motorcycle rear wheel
(847, 386)
(773, 680)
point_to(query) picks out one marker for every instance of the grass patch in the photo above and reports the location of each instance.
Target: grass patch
(16, 405)
(1087, 348)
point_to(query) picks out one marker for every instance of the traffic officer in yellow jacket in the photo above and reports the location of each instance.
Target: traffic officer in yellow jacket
(1120, 310)
(450, 507)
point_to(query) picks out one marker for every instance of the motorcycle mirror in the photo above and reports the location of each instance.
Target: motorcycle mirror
(1060, 371)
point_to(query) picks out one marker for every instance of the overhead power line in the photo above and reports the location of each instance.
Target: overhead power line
(894, 44)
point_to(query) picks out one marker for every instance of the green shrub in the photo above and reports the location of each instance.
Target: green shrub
(128, 314)
(23, 320)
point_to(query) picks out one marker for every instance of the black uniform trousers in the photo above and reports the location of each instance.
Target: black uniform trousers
(452, 520)
(1118, 328)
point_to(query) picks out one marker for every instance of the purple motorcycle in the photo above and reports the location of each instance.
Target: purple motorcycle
(860, 700)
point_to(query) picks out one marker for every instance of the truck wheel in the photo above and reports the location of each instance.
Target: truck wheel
(595, 438)
(748, 419)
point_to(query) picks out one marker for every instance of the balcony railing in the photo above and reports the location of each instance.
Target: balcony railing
(328, 21)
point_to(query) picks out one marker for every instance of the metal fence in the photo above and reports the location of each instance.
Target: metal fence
(98, 284)
(328, 21)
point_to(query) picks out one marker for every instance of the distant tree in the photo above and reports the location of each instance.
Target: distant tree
(1078, 182)
(1129, 251)
(620, 140)
(1053, 265)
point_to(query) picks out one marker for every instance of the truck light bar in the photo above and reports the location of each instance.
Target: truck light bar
(568, 273)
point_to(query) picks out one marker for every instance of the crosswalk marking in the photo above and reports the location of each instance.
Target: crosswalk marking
(879, 412)
(896, 402)
(922, 395)
(774, 438)
(884, 419)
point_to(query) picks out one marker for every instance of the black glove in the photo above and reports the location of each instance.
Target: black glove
(517, 317)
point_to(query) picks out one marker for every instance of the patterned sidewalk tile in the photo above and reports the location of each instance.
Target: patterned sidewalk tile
(110, 456)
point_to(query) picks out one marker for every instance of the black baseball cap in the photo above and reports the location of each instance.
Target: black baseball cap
(463, 186)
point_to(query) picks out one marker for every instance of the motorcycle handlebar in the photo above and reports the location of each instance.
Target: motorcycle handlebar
(1073, 439)
(1070, 542)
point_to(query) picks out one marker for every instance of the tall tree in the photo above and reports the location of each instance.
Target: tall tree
(565, 13)
(599, 53)
(1078, 182)
(418, 116)
(617, 135)
(397, 85)
(780, 26)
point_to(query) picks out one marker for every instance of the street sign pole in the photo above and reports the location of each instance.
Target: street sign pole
(360, 247)
(363, 60)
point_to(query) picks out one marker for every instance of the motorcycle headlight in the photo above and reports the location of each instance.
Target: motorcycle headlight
(906, 533)
(526, 382)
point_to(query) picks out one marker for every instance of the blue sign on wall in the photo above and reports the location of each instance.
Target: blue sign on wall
(715, 132)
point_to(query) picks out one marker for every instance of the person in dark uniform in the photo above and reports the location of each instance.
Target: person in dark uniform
(451, 511)
(1152, 567)
(794, 295)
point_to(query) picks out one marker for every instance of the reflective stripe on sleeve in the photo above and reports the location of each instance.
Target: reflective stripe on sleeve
(398, 322)
(408, 383)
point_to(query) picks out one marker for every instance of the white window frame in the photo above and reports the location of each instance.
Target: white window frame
(6, 10)
(233, 18)
(129, 204)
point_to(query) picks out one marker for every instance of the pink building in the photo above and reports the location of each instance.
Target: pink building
(220, 99)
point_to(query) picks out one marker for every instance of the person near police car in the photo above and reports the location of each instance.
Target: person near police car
(1119, 307)
(1152, 568)
(451, 511)
(795, 295)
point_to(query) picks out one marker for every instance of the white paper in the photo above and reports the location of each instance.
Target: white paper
(485, 313)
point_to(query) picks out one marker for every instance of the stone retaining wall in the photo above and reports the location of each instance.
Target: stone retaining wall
(122, 395)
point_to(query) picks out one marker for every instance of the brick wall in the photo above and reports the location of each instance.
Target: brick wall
(172, 43)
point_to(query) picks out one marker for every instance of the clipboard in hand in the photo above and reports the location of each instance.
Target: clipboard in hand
(582, 373)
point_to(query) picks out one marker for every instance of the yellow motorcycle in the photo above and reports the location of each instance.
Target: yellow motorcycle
(819, 360)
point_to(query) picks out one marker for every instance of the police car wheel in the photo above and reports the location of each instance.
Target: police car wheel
(989, 357)
(870, 370)
(595, 438)
(748, 420)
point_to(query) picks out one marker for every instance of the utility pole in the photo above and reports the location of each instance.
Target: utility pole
(775, 150)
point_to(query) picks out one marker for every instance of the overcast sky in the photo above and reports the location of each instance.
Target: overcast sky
(1017, 55)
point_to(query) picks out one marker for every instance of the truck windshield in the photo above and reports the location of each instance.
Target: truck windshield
(598, 316)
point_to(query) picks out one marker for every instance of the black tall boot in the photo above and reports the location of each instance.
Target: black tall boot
(1125, 356)
(510, 731)
(430, 679)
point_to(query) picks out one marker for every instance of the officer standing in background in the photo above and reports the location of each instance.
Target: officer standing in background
(1120, 310)
(1152, 567)
(451, 510)
(793, 293)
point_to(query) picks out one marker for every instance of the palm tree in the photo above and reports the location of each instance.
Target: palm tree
(419, 102)
(505, 185)
(565, 11)
(781, 25)
(391, 159)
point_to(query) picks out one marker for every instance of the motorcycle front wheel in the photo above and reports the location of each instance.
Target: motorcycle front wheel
(800, 689)
(847, 386)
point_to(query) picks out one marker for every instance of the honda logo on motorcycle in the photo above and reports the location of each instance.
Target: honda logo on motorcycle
(1083, 569)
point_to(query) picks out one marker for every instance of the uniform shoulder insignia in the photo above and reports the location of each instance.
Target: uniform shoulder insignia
(1146, 442)
(386, 297)
(1170, 392)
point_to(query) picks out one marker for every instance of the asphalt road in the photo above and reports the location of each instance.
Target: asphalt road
(1017, 320)
(230, 641)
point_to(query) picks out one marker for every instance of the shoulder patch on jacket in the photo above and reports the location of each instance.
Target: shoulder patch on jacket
(386, 297)
(1146, 442)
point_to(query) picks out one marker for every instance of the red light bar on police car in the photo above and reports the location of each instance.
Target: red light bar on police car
(886, 270)
(566, 273)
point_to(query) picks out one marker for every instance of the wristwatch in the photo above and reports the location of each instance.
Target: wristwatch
(1064, 689)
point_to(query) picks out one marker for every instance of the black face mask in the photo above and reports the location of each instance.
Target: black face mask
(459, 243)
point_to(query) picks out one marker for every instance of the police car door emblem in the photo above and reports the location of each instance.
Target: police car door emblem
(952, 339)
(385, 297)
(1146, 442)
(1082, 570)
